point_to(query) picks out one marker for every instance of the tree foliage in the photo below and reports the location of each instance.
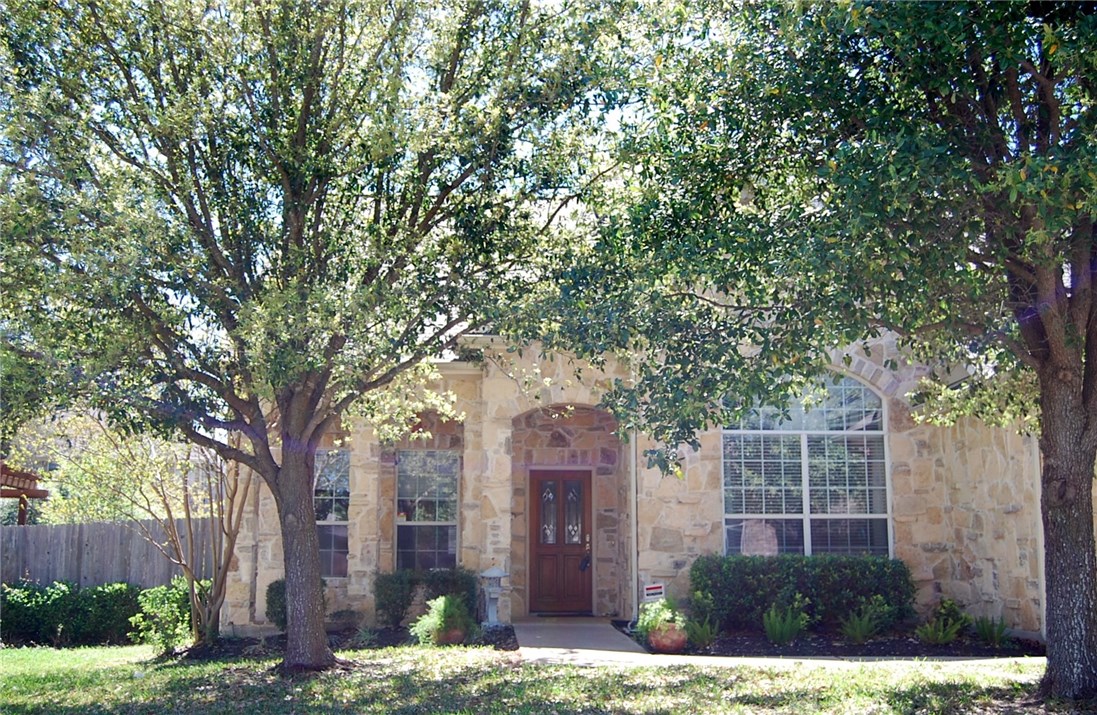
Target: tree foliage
(810, 176)
(237, 218)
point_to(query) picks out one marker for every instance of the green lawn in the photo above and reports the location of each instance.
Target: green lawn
(422, 680)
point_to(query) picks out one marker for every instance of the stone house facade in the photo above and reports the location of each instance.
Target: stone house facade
(535, 480)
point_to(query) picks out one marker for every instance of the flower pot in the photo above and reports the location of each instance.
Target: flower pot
(668, 638)
(450, 636)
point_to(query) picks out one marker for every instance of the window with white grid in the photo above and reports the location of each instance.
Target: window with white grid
(426, 508)
(331, 499)
(811, 478)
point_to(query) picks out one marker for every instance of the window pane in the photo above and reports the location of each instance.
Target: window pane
(764, 537)
(547, 528)
(573, 517)
(849, 536)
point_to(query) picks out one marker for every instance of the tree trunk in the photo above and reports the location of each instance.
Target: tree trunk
(306, 641)
(1069, 549)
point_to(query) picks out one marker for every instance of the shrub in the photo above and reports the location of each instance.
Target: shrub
(742, 588)
(865, 622)
(393, 594)
(990, 631)
(451, 582)
(62, 614)
(447, 620)
(164, 620)
(655, 614)
(782, 625)
(276, 603)
(106, 611)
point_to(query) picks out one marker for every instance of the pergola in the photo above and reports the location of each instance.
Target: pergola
(17, 484)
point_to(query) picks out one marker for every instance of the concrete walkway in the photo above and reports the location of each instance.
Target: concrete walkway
(594, 641)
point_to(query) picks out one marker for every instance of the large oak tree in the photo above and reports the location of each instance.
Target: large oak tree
(239, 217)
(809, 175)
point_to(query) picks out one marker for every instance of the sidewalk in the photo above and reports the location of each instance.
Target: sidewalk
(594, 641)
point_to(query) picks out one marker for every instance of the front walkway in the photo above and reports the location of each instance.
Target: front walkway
(594, 641)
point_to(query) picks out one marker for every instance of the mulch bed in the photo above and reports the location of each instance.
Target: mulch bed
(832, 645)
(497, 637)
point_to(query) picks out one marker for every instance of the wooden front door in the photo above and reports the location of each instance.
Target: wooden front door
(560, 555)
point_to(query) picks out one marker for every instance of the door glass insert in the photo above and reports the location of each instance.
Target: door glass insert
(573, 511)
(548, 513)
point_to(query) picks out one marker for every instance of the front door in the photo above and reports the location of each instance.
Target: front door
(560, 556)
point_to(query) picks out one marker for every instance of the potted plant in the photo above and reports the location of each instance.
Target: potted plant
(662, 626)
(446, 622)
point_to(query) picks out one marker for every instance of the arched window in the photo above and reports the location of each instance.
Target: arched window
(812, 483)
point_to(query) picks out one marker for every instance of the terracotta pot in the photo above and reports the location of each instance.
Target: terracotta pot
(450, 636)
(668, 638)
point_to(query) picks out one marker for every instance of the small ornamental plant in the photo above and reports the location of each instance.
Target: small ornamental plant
(783, 625)
(990, 631)
(662, 626)
(446, 622)
(946, 624)
(865, 622)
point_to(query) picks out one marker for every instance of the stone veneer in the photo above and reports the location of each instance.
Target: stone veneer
(964, 499)
(573, 436)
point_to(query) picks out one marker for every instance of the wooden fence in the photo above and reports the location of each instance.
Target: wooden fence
(91, 554)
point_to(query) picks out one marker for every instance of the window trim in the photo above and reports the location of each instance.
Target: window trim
(456, 523)
(333, 522)
(806, 516)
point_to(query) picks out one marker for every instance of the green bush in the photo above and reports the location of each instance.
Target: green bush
(451, 582)
(393, 594)
(107, 610)
(276, 603)
(655, 614)
(743, 588)
(62, 614)
(445, 619)
(164, 620)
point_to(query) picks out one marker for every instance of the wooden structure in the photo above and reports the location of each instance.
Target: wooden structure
(17, 484)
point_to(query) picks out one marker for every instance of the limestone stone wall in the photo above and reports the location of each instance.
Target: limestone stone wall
(965, 505)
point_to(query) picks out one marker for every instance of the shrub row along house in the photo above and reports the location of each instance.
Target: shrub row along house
(538, 483)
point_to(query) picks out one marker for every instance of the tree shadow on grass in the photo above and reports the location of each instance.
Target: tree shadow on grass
(416, 680)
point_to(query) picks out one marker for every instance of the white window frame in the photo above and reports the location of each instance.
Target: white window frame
(806, 516)
(330, 521)
(455, 523)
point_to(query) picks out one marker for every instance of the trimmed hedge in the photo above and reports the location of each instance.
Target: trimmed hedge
(63, 614)
(742, 588)
(394, 592)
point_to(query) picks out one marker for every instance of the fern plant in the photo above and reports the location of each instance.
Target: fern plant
(701, 633)
(783, 625)
(865, 622)
(939, 631)
(990, 631)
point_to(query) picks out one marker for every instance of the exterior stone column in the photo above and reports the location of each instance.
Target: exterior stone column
(497, 490)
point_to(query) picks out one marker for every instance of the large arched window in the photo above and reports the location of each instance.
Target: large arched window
(812, 483)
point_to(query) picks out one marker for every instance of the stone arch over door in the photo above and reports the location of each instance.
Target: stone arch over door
(578, 437)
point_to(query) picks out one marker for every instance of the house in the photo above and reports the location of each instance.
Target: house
(537, 482)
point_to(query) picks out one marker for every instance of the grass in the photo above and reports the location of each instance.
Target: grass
(471, 680)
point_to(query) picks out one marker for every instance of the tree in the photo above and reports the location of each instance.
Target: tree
(241, 217)
(810, 175)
